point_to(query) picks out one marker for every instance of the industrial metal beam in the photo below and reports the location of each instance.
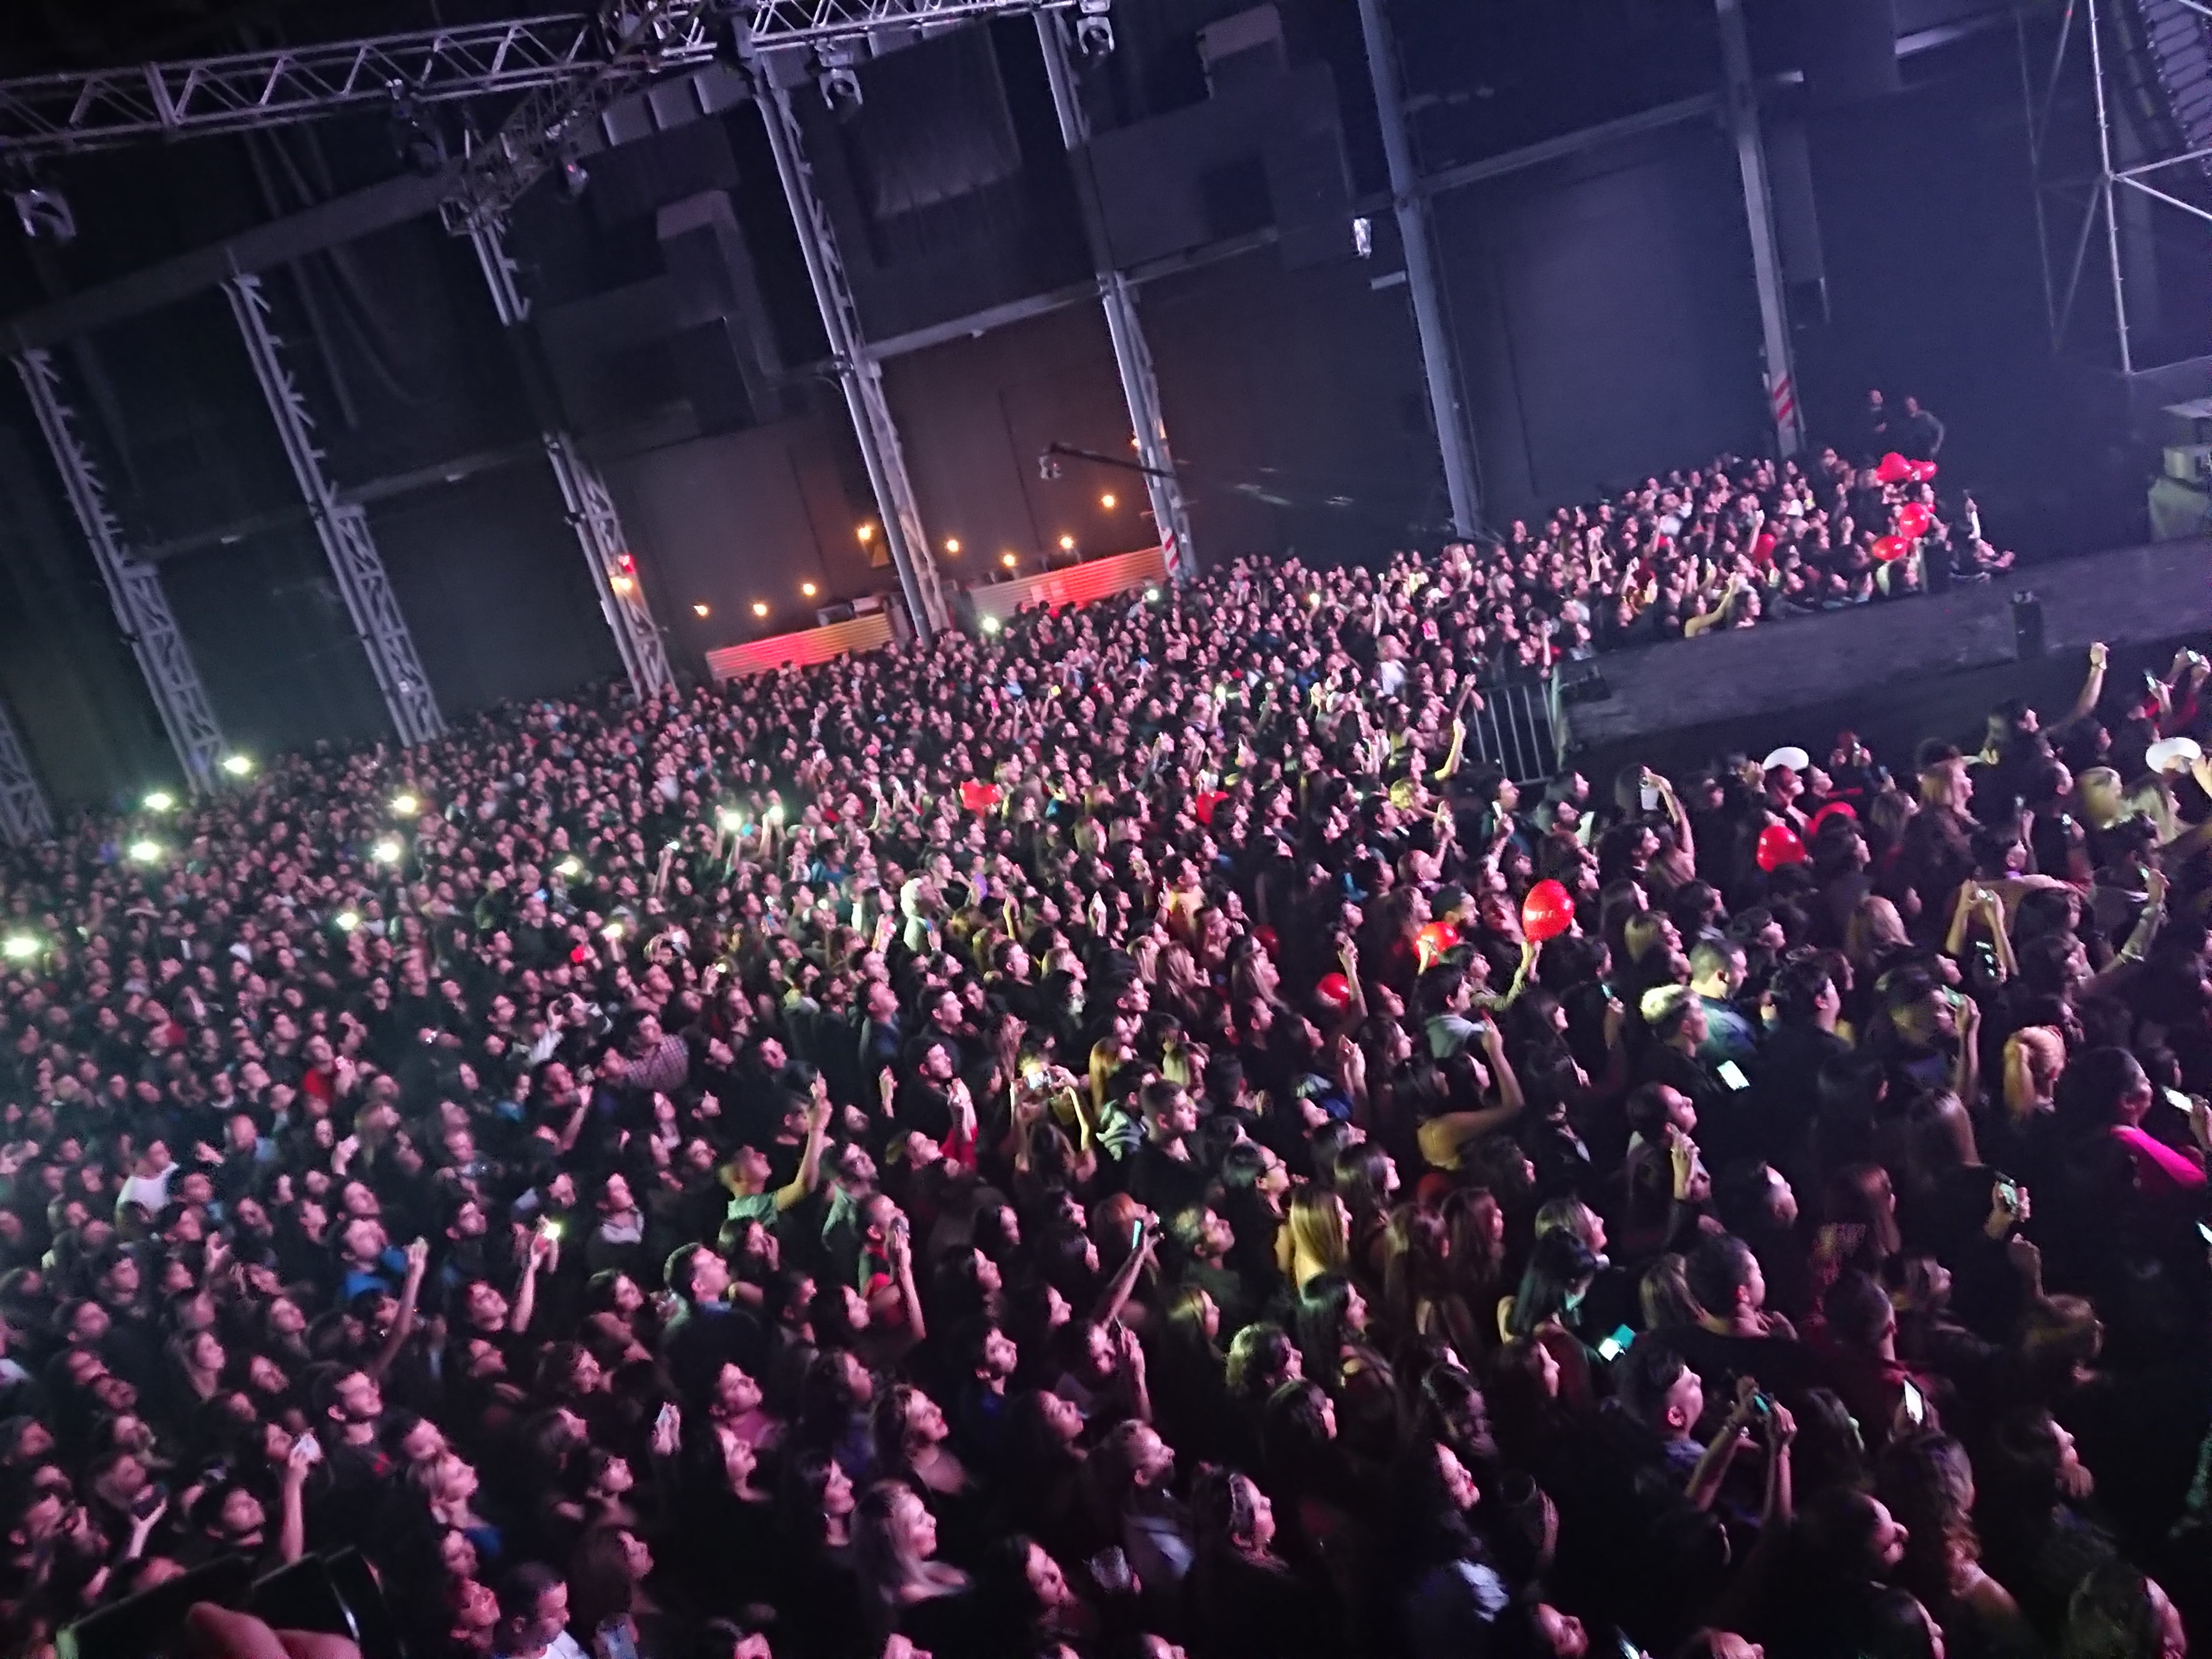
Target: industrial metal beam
(1133, 357)
(24, 815)
(1439, 364)
(1742, 107)
(134, 587)
(93, 109)
(591, 507)
(858, 375)
(343, 529)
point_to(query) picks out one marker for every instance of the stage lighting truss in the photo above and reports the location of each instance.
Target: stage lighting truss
(80, 110)
(767, 26)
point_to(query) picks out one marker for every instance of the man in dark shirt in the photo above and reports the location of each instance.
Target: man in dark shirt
(1919, 434)
(1165, 1174)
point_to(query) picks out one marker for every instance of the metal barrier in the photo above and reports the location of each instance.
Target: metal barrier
(1516, 730)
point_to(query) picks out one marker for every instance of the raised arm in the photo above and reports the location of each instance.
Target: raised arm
(809, 1162)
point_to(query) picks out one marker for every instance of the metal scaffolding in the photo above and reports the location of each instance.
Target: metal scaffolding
(859, 376)
(341, 528)
(2119, 105)
(591, 509)
(91, 109)
(24, 815)
(1439, 364)
(1133, 357)
(134, 587)
(1742, 107)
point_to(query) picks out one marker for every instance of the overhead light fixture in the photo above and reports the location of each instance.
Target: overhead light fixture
(1008, 559)
(866, 532)
(1363, 237)
(1067, 544)
(45, 216)
(1109, 500)
(1094, 28)
(953, 545)
(160, 800)
(623, 585)
(840, 82)
(760, 607)
(238, 766)
(809, 589)
(700, 609)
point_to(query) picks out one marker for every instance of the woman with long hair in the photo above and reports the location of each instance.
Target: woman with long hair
(1560, 1271)
(1333, 1336)
(1188, 1371)
(904, 1589)
(1928, 1482)
(909, 1435)
(1316, 1235)
(1421, 1295)
(1246, 1602)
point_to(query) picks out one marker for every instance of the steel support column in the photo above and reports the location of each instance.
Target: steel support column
(858, 374)
(24, 815)
(1133, 357)
(343, 529)
(1412, 208)
(1742, 105)
(134, 587)
(591, 509)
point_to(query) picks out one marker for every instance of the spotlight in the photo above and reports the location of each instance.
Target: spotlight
(385, 851)
(866, 532)
(1110, 502)
(1363, 237)
(1008, 559)
(45, 217)
(19, 947)
(840, 82)
(347, 920)
(760, 608)
(1094, 28)
(701, 610)
(404, 805)
(145, 851)
(1067, 544)
(991, 624)
(623, 585)
(160, 800)
(238, 766)
(952, 546)
(1049, 467)
(809, 589)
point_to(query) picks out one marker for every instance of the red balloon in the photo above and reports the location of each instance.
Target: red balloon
(1335, 990)
(1268, 942)
(1913, 520)
(1834, 808)
(1762, 550)
(1892, 468)
(1207, 802)
(1779, 844)
(1547, 912)
(1434, 940)
(977, 796)
(1892, 547)
(1920, 472)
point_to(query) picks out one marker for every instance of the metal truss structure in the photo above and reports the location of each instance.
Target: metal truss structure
(1744, 129)
(2139, 113)
(858, 375)
(1133, 357)
(591, 509)
(769, 25)
(134, 587)
(93, 109)
(24, 815)
(342, 527)
(642, 39)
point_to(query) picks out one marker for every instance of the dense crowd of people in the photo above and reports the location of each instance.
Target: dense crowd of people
(1063, 1143)
(1724, 545)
